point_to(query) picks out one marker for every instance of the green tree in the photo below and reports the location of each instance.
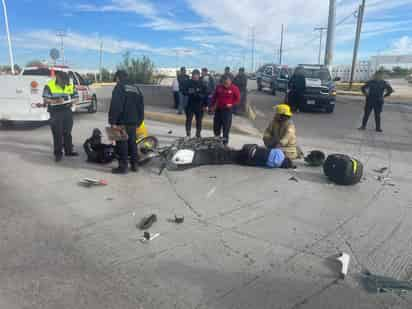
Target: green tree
(140, 70)
(33, 63)
(105, 75)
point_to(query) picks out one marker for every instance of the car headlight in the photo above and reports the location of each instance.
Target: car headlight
(333, 93)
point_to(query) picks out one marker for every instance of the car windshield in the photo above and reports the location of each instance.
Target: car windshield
(37, 72)
(323, 75)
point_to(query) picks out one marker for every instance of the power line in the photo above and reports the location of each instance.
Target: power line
(281, 45)
(320, 29)
(353, 14)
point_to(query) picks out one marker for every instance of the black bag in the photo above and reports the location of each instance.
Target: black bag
(343, 170)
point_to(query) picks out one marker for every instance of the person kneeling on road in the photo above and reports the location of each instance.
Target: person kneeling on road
(281, 133)
(196, 92)
(224, 99)
(127, 113)
(96, 151)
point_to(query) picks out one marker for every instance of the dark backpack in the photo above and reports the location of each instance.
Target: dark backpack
(343, 170)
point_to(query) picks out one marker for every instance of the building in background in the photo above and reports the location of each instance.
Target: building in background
(364, 71)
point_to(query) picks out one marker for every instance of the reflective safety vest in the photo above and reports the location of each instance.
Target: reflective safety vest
(57, 90)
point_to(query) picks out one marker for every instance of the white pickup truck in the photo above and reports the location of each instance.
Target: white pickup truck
(21, 95)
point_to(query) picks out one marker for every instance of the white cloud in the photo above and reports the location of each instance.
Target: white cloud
(146, 9)
(402, 46)
(46, 39)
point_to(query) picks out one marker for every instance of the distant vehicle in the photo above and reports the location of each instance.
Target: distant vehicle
(252, 76)
(21, 96)
(320, 88)
(274, 77)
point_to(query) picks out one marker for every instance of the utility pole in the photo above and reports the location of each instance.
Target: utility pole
(252, 65)
(6, 21)
(62, 35)
(101, 60)
(330, 41)
(281, 45)
(361, 13)
(320, 29)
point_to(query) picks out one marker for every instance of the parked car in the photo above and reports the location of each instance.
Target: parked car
(274, 77)
(21, 97)
(320, 88)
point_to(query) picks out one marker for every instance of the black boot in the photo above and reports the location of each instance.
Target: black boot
(71, 154)
(120, 170)
(58, 157)
(133, 167)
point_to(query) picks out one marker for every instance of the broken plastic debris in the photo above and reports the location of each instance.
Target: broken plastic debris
(179, 219)
(148, 237)
(90, 182)
(147, 222)
(381, 170)
(170, 132)
(293, 178)
(378, 284)
(344, 259)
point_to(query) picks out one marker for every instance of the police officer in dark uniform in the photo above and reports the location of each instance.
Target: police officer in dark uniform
(375, 91)
(126, 113)
(196, 92)
(59, 95)
(297, 88)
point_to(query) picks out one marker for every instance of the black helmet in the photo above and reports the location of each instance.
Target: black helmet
(315, 158)
(96, 133)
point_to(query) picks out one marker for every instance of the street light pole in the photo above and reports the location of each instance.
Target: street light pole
(320, 29)
(361, 12)
(330, 40)
(6, 21)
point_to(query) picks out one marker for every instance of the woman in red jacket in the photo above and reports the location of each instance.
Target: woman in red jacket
(226, 96)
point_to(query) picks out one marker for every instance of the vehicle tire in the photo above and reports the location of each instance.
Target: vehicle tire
(330, 109)
(92, 109)
(259, 85)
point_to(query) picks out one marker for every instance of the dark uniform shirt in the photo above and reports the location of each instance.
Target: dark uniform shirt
(196, 91)
(241, 82)
(376, 91)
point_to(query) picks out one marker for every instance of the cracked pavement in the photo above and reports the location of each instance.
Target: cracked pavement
(251, 237)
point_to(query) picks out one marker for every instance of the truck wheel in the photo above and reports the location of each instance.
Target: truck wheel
(93, 106)
(330, 109)
(259, 85)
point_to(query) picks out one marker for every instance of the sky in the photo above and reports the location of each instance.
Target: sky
(198, 33)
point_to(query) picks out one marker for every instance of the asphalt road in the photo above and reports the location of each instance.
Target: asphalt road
(252, 238)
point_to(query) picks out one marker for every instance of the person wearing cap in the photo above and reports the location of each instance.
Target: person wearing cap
(227, 73)
(226, 96)
(196, 92)
(127, 114)
(59, 94)
(281, 133)
(182, 80)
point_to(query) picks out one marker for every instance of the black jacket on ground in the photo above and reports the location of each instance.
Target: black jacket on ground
(196, 91)
(127, 105)
(297, 83)
(376, 91)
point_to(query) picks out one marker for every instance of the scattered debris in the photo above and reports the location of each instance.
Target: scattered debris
(179, 219)
(344, 259)
(211, 192)
(133, 214)
(276, 191)
(90, 182)
(293, 178)
(212, 177)
(170, 132)
(381, 284)
(383, 179)
(148, 237)
(109, 199)
(147, 222)
(381, 170)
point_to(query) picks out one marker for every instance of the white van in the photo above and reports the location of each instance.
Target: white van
(21, 96)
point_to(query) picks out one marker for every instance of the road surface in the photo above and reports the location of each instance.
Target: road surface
(252, 238)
